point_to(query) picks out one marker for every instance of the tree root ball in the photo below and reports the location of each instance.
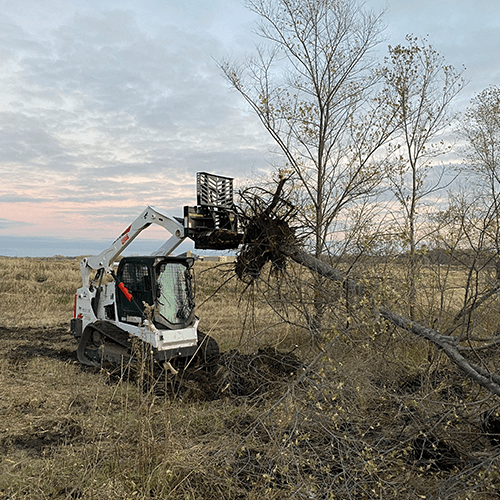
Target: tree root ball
(263, 239)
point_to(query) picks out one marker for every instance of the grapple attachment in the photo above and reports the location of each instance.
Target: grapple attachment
(213, 223)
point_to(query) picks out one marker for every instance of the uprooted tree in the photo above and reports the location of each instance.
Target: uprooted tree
(270, 238)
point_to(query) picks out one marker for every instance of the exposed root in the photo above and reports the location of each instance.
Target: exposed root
(264, 238)
(255, 374)
(233, 374)
(266, 233)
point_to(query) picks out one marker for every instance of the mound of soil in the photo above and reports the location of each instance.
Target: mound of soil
(233, 374)
(255, 374)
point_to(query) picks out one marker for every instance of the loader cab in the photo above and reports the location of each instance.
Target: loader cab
(162, 282)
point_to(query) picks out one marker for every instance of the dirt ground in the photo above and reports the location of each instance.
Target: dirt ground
(34, 360)
(372, 417)
(18, 345)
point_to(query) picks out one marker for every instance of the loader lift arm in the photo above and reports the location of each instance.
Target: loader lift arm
(150, 215)
(211, 224)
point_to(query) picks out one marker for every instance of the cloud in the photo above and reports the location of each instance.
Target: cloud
(159, 83)
(8, 224)
(110, 106)
(24, 139)
(99, 111)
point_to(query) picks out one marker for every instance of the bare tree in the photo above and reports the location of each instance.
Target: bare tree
(420, 86)
(480, 127)
(471, 236)
(310, 86)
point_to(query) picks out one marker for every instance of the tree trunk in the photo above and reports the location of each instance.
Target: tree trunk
(448, 344)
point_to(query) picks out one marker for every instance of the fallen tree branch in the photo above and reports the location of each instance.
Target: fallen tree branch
(449, 345)
(312, 263)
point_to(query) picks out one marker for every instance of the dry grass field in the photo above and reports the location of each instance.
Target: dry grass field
(375, 414)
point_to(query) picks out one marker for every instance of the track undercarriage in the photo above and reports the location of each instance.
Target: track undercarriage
(106, 343)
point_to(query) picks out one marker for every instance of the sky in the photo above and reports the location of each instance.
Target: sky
(109, 106)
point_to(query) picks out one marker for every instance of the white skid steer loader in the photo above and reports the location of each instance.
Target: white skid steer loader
(150, 298)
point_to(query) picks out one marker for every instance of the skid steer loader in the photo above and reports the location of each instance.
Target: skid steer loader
(150, 298)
